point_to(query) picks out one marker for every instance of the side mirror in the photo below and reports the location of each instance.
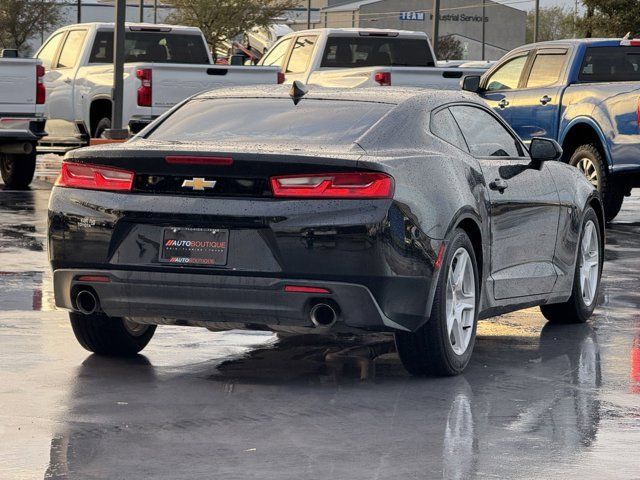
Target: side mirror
(471, 83)
(544, 149)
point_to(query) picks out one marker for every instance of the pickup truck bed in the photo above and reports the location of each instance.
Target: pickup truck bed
(164, 64)
(352, 57)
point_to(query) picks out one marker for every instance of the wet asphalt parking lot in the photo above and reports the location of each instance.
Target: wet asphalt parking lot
(536, 401)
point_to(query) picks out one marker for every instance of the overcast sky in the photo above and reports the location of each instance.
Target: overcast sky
(528, 4)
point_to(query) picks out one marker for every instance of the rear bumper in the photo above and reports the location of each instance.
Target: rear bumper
(31, 133)
(197, 299)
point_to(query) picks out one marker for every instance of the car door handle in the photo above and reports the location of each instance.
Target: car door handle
(498, 184)
(545, 99)
(504, 103)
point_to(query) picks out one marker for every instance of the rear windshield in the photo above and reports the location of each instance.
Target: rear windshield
(165, 47)
(273, 120)
(610, 64)
(353, 52)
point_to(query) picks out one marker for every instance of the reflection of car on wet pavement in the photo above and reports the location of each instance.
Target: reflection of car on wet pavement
(292, 221)
(452, 429)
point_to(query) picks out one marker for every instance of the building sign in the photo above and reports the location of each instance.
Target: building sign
(461, 17)
(416, 16)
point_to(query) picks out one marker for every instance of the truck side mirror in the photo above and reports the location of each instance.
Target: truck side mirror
(544, 149)
(471, 83)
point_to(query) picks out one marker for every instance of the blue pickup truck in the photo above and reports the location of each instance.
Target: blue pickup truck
(583, 93)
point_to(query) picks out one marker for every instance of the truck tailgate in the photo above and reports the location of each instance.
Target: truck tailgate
(172, 83)
(447, 78)
(17, 86)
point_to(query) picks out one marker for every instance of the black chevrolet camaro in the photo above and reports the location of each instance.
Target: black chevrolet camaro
(372, 210)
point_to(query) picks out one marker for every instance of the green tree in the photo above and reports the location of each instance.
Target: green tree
(449, 48)
(610, 18)
(224, 19)
(555, 23)
(21, 20)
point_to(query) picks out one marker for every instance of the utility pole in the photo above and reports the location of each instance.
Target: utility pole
(116, 131)
(536, 21)
(141, 11)
(436, 25)
(308, 14)
(484, 3)
(79, 10)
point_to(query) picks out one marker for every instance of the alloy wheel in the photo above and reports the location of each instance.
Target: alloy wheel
(588, 169)
(589, 263)
(460, 301)
(134, 328)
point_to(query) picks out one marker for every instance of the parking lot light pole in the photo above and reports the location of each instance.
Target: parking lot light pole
(116, 132)
(484, 32)
(435, 26)
(536, 21)
(79, 8)
(141, 11)
(155, 11)
(308, 14)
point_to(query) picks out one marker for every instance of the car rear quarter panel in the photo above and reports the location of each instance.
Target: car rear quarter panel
(611, 111)
(575, 193)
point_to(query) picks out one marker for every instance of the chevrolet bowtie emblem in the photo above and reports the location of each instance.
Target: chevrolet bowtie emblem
(198, 184)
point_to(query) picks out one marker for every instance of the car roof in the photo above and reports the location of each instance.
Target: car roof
(388, 95)
(592, 42)
(150, 27)
(356, 31)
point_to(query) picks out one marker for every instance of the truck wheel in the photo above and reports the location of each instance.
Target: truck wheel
(444, 344)
(103, 124)
(586, 279)
(115, 337)
(589, 160)
(17, 169)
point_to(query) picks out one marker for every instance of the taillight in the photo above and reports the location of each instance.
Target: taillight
(281, 78)
(145, 90)
(638, 115)
(383, 78)
(41, 91)
(334, 185)
(94, 177)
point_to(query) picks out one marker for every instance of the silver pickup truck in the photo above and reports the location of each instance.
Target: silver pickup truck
(22, 96)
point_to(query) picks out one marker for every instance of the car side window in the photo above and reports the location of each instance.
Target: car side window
(546, 69)
(276, 56)
(508, 75)
(444, 126)
(71, 49)
(301, 54)
(484, 134)
(47, 52)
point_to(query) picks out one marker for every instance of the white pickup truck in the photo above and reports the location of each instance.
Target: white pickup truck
(22, 98)
(361, 57)
(164, 64)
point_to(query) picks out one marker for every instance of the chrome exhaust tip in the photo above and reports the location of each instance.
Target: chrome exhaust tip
(323, 315)
(86, 302)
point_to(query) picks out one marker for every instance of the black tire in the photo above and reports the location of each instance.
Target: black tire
(101, 126)
(428, 350)
(575, 310)
(109, 336)
(17, 169)
(612, 196)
